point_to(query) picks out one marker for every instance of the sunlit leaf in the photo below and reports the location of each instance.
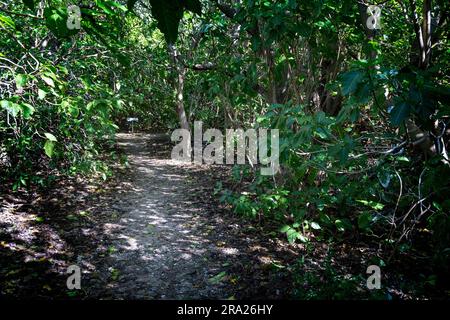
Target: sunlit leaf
(48, 148)
(50, 137)
(48, 81)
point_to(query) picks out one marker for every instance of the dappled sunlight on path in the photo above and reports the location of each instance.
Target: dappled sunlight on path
(158, 246)
(154, 231)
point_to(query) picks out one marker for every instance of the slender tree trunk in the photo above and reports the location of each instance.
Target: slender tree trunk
(370, 33)
(272, 85)
(184, 124)
(179, 88)
(426, 33)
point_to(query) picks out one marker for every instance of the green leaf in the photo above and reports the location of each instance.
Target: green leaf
(74, 111)
(41, 94)
(114, 274)
(21, 80)
(339, 225)
(384, 177)
(292, 235)
(302, 238)
(343, 224)
(48, 148)
(27, 110)
(50, 137)
(168, 13)
(315, 225)
(105, 7)
(48, 81)
(108, 5)
(6, 22)
(400, 113)
(12, 108)
(350, 81)
(341, 151)
(218, 278)
(72, 294)
(364, 220)
(118, 5)
(372, 204)
(56, 21)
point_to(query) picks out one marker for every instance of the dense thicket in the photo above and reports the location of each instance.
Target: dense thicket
(363, 113)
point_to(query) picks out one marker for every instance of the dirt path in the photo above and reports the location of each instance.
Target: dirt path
(167, 245)
(156, 231)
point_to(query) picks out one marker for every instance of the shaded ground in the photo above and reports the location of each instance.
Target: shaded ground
(169, 244)
(155, 233)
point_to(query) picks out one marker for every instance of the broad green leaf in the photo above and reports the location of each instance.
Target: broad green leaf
(400, 113)
(364, 220)
(350, 81)
(12, 108)
(341, 151)
(292, 235)
(6, 22)
(302, 238)
(73, 110)
(168, 13)
(21, 80)
(384, 177)
(343, 224)
(27, 110)
(107, 6)
(48, 81)
(48, 148)
(56, 21)
(41, 94)
(315, 225)
(50, 137)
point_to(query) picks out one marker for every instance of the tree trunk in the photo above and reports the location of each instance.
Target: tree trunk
(179, 88)
(184, 124)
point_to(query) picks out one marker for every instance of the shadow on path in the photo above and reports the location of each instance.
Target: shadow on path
(166, 245)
